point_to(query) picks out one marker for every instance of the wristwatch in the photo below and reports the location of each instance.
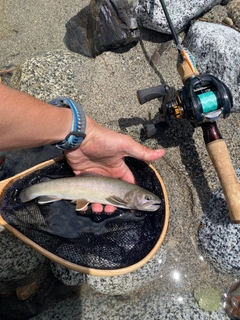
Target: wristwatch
(77, 134)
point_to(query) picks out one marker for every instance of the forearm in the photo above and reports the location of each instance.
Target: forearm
(28, 122)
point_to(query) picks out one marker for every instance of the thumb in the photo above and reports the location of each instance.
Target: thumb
(144, 153)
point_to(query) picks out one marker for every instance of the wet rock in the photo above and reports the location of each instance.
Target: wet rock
(150, 14)
(218, 237)
(17, 259)
(26, 291)
(67, 276)
(216, 49)
(126, 283)
(29, 300)
(102, 26)
(152, 306)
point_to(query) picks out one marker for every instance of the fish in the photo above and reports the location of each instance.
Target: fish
(89, 188)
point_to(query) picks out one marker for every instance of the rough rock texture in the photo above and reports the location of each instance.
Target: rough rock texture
(67, 276)
(216, 49)
(218, 14)
(126, 283)
(10, 269)
(218, 237)
(101, 26)
(150, 13)
(233, 8)
(147, 307)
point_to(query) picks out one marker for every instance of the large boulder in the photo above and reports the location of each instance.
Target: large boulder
(150, 13)
(101, 26)
(216, 49)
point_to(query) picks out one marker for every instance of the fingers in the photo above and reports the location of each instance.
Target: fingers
(98, 208)
(145, 154)
(136, 150)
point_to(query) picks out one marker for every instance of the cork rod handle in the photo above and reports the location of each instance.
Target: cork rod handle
(220, 157)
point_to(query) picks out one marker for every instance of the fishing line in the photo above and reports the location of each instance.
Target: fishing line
(184, 53)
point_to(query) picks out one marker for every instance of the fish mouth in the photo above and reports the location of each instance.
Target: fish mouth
(154, 206)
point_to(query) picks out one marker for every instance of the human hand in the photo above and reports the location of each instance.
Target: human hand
(103, 152)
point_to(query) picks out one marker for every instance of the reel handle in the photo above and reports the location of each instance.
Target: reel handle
(220, 157)
(149, 94)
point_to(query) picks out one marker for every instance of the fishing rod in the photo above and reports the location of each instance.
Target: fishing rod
(202, 100)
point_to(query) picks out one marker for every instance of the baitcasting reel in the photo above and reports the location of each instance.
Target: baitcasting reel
(202, 99)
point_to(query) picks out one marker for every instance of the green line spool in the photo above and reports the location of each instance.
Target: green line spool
(208, 101)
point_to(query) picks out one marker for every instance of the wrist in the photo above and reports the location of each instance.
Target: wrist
(76, 134)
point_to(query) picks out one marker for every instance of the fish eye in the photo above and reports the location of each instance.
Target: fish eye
(148, 197)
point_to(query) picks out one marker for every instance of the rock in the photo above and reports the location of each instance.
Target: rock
(219, 237)
(126, 283)
(17, 259)
(102, 26)
(216, 49)
(67, 276)
(156, 306)
(233, 9)
(225, 2)
(26, 291)
(150, 13)
(217, 14)
(228, 21)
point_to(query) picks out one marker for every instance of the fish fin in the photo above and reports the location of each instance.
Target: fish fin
(116, 201)
(80, 204)
(45, 179)
(47, 199)
(90, 174)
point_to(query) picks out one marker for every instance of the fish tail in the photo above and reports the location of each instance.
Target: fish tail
(24, 196)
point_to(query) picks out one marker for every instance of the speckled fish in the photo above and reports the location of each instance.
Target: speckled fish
(87, 189)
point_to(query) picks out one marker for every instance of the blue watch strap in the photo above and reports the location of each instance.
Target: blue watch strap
(77, 133)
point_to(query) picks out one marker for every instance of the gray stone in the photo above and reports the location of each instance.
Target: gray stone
(103, 25)
(126, 283)
(219, 237)
(67, 276)
(150, 13)
(216, 49)
(148, 307)
(17, 259)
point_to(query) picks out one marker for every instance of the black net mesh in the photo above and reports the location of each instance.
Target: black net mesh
(99, 241)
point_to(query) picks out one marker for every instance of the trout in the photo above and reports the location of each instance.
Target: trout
(87, 189)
